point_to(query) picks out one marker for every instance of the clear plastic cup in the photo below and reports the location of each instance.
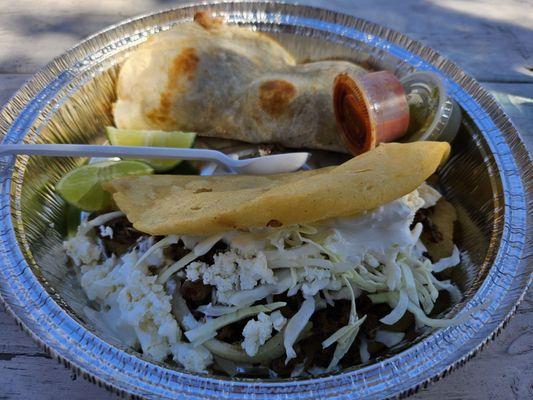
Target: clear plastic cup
(369, 109)
(434, 115)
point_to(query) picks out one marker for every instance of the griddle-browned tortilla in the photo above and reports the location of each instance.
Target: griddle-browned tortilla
(170, 204)
(229, 82)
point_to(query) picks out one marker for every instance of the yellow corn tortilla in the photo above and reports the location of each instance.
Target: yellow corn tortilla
(198, 205)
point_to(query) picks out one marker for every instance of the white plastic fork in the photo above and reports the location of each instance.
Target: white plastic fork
(271, 164)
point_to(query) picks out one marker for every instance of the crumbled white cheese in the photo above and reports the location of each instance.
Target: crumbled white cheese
(192, 358)
(146, 306)
(232, 272)
(254, 270)
(127, 291)
(315, 279)
(278, 320)
(83, 248)
(256, 333)
(223, 274)
(95, 281)
(107, 321)
(195, 270)
(106, 231)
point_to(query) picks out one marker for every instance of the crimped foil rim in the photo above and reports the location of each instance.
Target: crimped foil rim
(340, 385)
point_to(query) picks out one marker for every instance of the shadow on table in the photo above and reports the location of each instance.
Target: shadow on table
(502, 52)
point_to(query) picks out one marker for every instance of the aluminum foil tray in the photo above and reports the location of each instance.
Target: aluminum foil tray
(488, 179)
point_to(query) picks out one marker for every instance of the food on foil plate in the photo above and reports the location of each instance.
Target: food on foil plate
(286, 275)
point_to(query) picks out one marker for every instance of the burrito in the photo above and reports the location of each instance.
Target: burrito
(232, 83)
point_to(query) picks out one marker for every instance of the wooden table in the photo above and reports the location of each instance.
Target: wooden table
(491, 39)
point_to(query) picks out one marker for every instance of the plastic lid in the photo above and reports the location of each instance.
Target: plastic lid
(369, 109)
(433, 113)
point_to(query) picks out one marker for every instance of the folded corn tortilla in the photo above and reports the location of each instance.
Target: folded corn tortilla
(199, 205)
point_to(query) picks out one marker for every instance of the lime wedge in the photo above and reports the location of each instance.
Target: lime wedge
(129, 137)
(82, 187)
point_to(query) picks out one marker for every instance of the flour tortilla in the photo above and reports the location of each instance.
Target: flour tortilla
(229, 82)
(198, 205)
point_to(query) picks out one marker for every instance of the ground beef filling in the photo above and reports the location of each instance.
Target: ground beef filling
(124, 236)
(196, 293)
(176, 251)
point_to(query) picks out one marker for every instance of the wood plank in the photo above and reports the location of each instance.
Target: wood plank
(12, 339)
(517, 102)
(34, 376)
(9, 84)
(492, 41)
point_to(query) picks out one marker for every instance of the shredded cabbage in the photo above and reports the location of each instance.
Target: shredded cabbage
(245, 298)
(409, 282)
(400, 278)
(399, 309)
(344, 343)
(433, 322)
(296, 325)
(454, 292)
(209, 310)
(165, 242)
(165, 275)
(346, 335)
(199, 250)
(208, 330)
(448, 262)
(272, 349)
